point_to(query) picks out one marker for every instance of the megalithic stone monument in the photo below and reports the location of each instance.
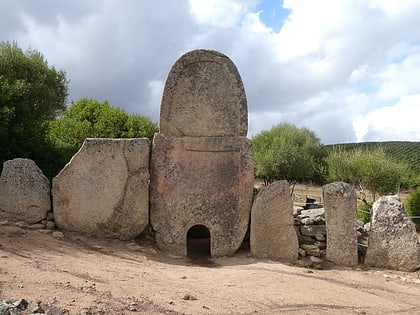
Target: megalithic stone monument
(202, 165)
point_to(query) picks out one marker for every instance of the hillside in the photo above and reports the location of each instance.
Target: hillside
(403, 151)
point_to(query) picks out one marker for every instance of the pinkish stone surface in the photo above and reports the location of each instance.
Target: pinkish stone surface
(201, 181)
(202, 169)
(203, 96)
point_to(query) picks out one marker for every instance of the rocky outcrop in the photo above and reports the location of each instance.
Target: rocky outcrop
(104, 189)
(24, 191)
(340, 203)
(272, 228)
(393, 242)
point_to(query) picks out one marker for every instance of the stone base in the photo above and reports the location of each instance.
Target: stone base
(201, 181)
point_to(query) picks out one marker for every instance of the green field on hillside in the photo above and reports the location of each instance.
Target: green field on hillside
(401, 151)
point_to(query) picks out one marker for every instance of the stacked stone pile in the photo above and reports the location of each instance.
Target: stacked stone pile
(312, 234)
(362, 239)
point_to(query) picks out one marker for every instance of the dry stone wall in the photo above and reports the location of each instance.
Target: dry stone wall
(312, 234)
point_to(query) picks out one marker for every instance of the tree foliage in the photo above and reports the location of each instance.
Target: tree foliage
(31, 94)
(288, 152)
(371, 170)
(89, 118)
(412, 205)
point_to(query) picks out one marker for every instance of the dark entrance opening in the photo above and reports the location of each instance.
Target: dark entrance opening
(198, 242)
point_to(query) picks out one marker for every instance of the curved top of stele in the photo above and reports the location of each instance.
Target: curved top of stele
(203, 97)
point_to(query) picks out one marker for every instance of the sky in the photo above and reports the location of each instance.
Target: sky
(349, 70)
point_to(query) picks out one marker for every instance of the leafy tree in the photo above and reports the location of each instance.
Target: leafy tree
(371, 170)
(31, 94)
(89, 118)
(288, 152)
(412, 205)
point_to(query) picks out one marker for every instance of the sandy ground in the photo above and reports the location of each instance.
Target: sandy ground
(84, 275)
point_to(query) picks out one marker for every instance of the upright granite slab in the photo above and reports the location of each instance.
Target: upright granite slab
(202, 164)
(104, 189)
(393, 241)
(24, 191)
(340, 203)
(273, 234)
(203, 97)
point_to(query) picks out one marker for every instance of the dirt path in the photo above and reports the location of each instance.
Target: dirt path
(88, 276)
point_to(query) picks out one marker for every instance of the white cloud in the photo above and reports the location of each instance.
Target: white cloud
(395, 122)
(400, 78)
(331, 67)
(220, 13)
(359, 73)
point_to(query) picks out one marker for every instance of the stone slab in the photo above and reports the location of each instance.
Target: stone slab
(203, 96)
(104, 189)
(24, 191)
(201, 181)
(273, 234)
(340, 204)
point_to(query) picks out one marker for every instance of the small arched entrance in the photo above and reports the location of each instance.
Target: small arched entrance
(198, 242)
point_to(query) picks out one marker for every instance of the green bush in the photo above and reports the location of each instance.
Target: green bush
(412, 204)
(363, 213)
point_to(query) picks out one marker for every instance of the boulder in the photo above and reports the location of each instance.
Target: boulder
(272, 227)
(393, 242)
(340, 203)
(24, 191)
(104, 189)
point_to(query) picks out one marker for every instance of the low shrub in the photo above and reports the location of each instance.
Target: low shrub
(412, 204)
(364, 212)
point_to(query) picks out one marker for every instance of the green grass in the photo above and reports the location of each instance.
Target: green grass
(401, 151)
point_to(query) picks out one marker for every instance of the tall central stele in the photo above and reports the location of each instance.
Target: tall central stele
(202, 164)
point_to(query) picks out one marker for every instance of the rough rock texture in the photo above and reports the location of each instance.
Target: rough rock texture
(272, 226)
(203, 96)
(201, 181)
(340, 203)
(24, 191)
(104, 190)
(312, 216)
(202, 165)
(393, 241)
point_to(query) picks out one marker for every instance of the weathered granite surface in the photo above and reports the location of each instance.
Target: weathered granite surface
(201, 181)
(203, 96)
(24, 191)
(393, 241)
(202, 165)
(104, 189)
(340, 203)
(272, 225)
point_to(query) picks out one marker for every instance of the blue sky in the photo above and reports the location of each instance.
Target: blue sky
(272, 13)
(349, 70)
